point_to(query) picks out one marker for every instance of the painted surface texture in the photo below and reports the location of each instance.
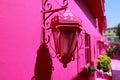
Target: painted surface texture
(20, 38)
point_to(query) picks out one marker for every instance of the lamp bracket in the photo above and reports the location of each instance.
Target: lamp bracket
(47, 11)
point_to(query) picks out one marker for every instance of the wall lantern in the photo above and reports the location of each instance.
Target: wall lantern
(65, 30)
(101, 43)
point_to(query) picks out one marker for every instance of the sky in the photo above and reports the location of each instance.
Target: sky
(112, 12)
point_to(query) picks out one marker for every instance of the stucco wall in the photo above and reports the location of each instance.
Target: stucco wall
(88, 24)
(20, 36)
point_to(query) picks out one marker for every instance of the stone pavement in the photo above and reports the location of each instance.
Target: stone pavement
(115, 64)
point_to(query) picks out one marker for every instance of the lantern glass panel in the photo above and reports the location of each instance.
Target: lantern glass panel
(66, 41)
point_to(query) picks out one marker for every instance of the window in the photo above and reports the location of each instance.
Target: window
(87, 49)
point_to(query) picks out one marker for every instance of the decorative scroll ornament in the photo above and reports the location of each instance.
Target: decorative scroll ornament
(47, 12)
(46, 5)
(65, 28)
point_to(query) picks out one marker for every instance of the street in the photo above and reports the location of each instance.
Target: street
(115, 64)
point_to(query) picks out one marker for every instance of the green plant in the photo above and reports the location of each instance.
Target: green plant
(111, 49)
(104, 63)
(90, 69)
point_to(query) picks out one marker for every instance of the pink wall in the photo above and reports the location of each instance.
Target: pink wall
(19, 38)
(88, 24)
(20, 22)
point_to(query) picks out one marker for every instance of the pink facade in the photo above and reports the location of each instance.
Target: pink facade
(20, 38)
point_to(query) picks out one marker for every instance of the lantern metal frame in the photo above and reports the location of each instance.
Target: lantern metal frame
(65, 24)
(47, 11)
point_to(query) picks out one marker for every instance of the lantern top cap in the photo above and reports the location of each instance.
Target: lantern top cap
(68, 13)
(67, 18)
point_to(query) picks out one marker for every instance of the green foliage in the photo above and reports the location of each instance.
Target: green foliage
(111, 49)
(90, 69)
(104, 63)
(118, 30)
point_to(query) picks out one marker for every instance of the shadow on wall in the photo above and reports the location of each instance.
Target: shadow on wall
(43, 66)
